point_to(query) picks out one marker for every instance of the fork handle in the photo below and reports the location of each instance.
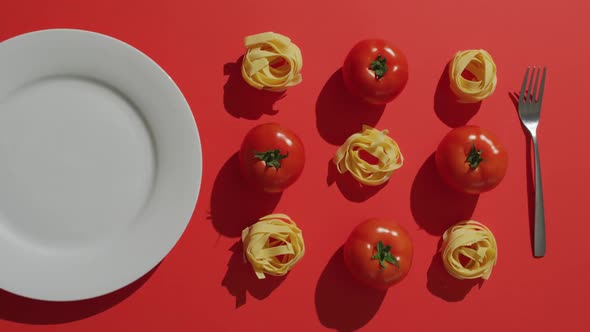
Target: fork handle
(539, 233)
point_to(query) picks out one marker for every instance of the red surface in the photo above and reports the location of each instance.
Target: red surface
(203, 285)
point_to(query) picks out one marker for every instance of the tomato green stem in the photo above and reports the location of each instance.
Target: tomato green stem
(379, 66)
(271, 158)
(384, 255)
(474, 157)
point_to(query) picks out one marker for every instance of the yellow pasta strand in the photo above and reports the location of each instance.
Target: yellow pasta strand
(482, 66)
(378, 144)
(272, 236)
(474, 241)
(266, 49)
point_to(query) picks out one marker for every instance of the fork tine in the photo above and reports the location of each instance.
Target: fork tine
(523, 89)
(540, 99)
(529, 96)
(534, 95)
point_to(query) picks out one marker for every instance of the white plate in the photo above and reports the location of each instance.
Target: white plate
(100, 164)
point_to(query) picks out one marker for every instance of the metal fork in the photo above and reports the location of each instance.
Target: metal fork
(529, 111)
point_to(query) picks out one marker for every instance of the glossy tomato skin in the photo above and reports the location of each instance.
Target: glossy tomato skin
(452, 153)
(361, 247)
(361, 81)
(266, 137)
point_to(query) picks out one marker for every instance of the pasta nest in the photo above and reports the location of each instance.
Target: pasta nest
(273, 245)
(473, 241)
(376, 143)
(482, 66)
(272, 62)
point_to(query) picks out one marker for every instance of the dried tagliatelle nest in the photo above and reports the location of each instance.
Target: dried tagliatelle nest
(481, 65)
(473, 241)
(272, 62)
(273, 245)
(376, 143)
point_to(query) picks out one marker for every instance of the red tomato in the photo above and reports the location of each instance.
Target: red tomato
(378, 253)
(470, 159)
(375, 71)
(271, 157)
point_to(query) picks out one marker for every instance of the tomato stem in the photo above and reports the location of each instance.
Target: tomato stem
(384, 255)
(379, 66)
(271, 158)
(474, 157)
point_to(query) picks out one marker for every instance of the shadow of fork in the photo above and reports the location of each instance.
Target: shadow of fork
(529, 171)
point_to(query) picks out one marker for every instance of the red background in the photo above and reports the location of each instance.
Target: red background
(202, 285)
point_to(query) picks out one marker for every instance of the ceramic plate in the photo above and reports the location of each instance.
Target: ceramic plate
(100, 164)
